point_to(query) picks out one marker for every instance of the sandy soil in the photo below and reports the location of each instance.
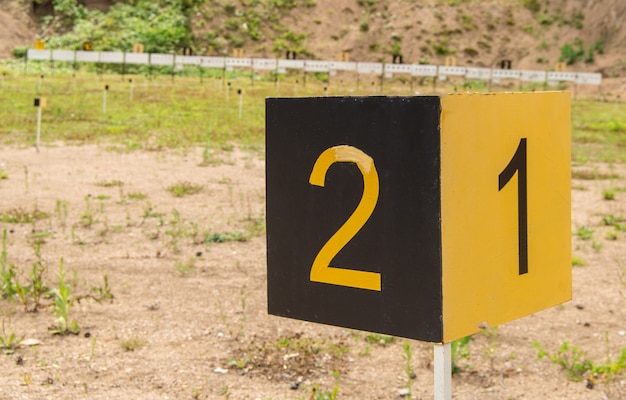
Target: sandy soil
(188, 318)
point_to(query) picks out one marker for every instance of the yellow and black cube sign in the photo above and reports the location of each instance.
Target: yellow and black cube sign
(421, 217)
(41, 102)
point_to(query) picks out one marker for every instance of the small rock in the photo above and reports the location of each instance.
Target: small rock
(580, 306)
(198, 254)
(219, 370)
(403, 392)
(294, 385)
(587, 324)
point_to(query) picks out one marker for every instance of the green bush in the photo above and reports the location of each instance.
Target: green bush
(19, 52)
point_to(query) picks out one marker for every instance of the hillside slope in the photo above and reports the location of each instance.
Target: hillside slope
(479, 33)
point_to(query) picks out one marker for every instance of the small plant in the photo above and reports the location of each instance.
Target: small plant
(319, 394)
(61, 211)
(611, 235)
(460, 351)
(132, 343)
(103, 292)
(62, 302)
(408, 369)
(137, 196)
(185, 268)
(380, 340)
(608, 194)
(3, 174)
(87, 218)
(184, 188)
(236, 236)
(570, 358)
(111, 183)
(584, 233)
(21, 216)
(8, 341)
(578, 261)
(240, 363)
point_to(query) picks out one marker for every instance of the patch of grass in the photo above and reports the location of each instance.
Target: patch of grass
(608, 194)
(110, 183)
(571, 358)
(578, 261)
(22, 216)
(237, 236)
(185, 267)
(590, 175)
(133, 343)
(63, 301)
(184, 188)
(460, 351)
(137, 196)
(380, 340)
(584, 233)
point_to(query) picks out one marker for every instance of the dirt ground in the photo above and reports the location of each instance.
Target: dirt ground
(189, 316)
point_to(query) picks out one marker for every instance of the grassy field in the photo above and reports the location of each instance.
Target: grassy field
(158, 111)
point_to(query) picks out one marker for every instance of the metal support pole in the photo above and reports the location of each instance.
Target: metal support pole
(38, 127)
(443, 371)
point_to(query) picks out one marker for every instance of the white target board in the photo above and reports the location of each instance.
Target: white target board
(424, 70)
(63, 55)
(264, 64)
(112, 57)
(589, 78)
(290, 64)
(342, 66)
(498, 74)
(316, 66)
(212, 62)
(161, 59)
(238, 62)
(478, 73)
(87, 56)
(562, 76)
(391, 69)
(452, 71)
(528, 75)
(43, 55)
(188, 60)
(137, 58)
(369, 68)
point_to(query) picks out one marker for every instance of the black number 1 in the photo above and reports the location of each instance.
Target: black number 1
(518, 163)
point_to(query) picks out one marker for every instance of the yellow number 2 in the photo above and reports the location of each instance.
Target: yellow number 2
(321, 271)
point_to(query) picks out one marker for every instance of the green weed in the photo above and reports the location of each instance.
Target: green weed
(8, 341)
(584, 233)
(21, 216)
(63, 300)
(223, 237)
(133, 343)
(608, 194)
(578, 261)
(408, 369)
(184, 188)
(460, 351)
(576, 365)
(185, 267)
(378, 339)
(110, 183)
